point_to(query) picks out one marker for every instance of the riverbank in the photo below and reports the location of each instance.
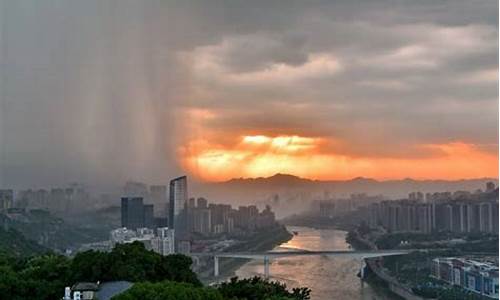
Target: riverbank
(262, 241)
(375, 275)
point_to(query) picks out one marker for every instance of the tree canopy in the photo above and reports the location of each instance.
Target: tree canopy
(257, 288)
(168, 290)
(46, 276)
(254, 288)
(132, 262)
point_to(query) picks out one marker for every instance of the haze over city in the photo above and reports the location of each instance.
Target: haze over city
(104, 92)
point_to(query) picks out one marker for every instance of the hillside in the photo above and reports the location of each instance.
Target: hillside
(50, 231)
(15, 243)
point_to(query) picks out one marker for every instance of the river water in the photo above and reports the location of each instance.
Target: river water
(329, 278)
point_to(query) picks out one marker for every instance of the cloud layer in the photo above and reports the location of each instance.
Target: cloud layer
(104, 91)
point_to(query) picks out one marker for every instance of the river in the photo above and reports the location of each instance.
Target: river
(328, 278)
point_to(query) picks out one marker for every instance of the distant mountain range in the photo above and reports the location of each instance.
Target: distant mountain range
(251, 190)
(361, 184)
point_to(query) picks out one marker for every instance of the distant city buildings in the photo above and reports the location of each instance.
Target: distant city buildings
(132, 209)
(475, 276)
(163, 242)
(329, 209)
(189, 218)
(460, 212)
(135, 214)
(73, 199)
(120, 235)
(216, 219)
(6, 199)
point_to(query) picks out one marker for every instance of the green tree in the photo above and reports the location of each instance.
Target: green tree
(45, 276)
(168, 290)
(257, 288)
(132, 262)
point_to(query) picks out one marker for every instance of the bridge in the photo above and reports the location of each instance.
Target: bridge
(267, 256)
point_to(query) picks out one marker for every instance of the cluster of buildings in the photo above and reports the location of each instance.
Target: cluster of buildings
(333, 208)
(161, 241)
(189, 218)
(472, 275)
(216, 219)
(57, 200)
(460, 212)
(135, 214)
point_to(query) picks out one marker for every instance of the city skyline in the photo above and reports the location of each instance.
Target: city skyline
(99, 93)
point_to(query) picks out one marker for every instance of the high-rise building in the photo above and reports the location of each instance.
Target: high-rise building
(149, 219)
(486, 217)
(6, 199)
(202, 203)
(219, 214)
(159, 198)
(178, 199)
(163, 243)
(202, 221)
(132, 212)
(191, 203)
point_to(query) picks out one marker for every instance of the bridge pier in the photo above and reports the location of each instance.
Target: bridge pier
(216, 266)
(362, 272)
(266, 267)
(362, 269)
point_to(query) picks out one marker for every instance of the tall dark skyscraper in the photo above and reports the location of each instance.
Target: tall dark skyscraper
(178, 199)
(132, 212)
(149, 219)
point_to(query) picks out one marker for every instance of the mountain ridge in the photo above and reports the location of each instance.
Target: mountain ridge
(295, 193)
(279, 177)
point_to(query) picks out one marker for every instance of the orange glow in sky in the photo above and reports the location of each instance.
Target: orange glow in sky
(261, 155)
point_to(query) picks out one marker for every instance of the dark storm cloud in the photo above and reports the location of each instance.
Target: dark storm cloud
(91, 90)
(410, 72)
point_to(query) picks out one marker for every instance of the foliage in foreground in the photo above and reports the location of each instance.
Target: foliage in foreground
(156, 277)
(243, 289)
(132, 262)
(257, 288)
(46, 276)
(168, 290)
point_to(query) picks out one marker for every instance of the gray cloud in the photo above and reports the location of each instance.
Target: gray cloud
(91, 90)
(412, 74)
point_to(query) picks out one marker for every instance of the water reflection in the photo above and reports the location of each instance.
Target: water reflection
(329, 278)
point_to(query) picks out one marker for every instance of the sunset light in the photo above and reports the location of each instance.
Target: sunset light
(260, 155)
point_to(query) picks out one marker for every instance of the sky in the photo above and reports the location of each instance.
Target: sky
(101, 92)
